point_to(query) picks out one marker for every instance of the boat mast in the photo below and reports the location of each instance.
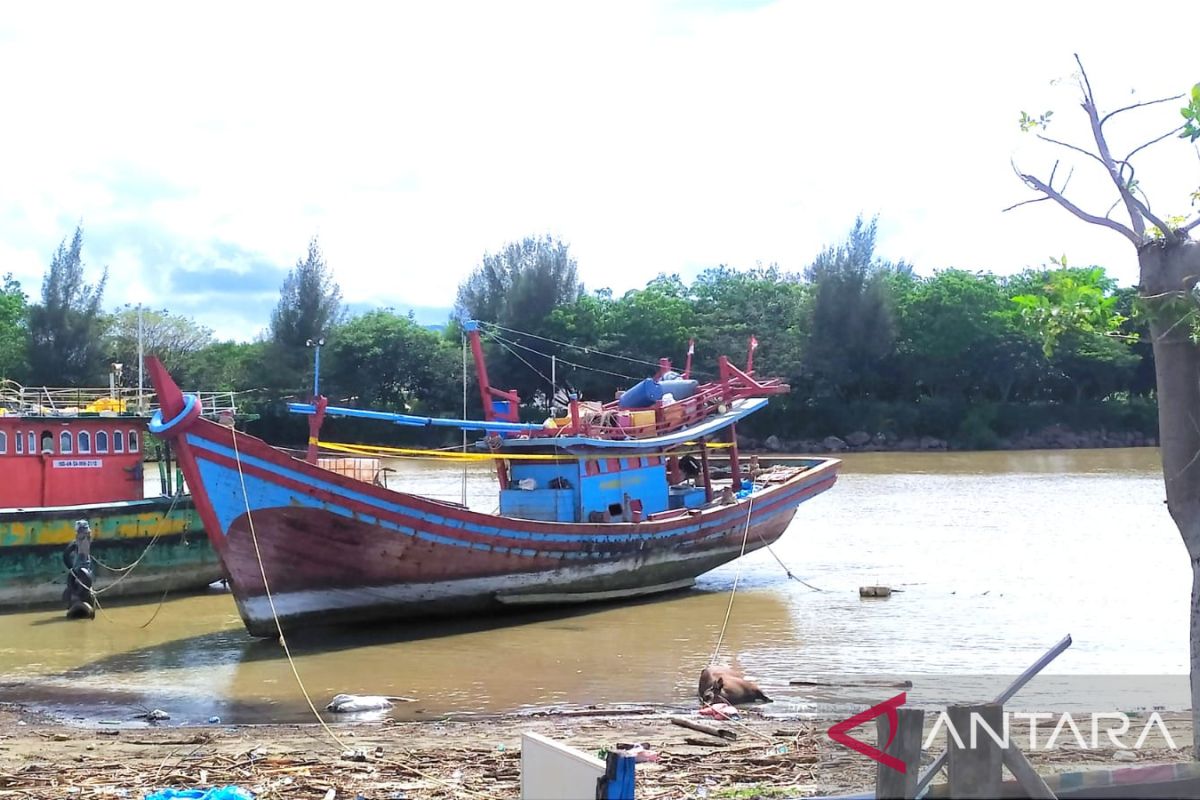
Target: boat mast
(727, 371)
(509, 400)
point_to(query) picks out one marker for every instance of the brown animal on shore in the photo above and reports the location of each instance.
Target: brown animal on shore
(726, 685)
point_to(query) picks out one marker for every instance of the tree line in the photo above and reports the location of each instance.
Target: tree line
(865, 343)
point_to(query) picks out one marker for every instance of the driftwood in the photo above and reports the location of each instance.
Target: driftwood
(696, 740)
(867, 682)
(711, 730)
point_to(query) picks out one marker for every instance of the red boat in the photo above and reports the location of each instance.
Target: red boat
(598, 505)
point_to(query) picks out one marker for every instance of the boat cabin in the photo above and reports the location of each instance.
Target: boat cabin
(594, 488)
(53, 461)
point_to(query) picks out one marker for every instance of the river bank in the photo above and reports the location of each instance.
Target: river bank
(45, 758)
(1051, 437)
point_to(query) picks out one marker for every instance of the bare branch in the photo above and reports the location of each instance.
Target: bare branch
(1194, 223)
(1054, 195)
(1069, 146)
(1153, 141)
(1112, 114)
(1025, 203)
(1137, 211)
(1086, 85)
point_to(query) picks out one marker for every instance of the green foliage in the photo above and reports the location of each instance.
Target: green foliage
(1029, 123)
(1070, 300)
(733, 305)
(951, 329)
(309, 308)
(225, 367)
(520, 287)
(67, 328)
(310, 301)
(170, 337)
(14, 331)
(522, 283)
(384, 360)
(851, 326)
(1191, 116)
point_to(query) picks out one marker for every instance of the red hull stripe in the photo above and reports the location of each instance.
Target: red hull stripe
(463, 528)
(264, 499)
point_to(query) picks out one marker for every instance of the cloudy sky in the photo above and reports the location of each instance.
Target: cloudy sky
(201, 146)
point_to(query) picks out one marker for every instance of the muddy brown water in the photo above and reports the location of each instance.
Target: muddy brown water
(998, 555)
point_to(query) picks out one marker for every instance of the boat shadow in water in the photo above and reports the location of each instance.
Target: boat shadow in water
(648, 651)
(227, 647)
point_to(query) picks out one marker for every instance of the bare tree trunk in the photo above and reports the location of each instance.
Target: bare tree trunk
(1169, 272)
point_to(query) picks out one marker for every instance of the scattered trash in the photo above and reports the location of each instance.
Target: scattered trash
(22, 722)
(332, 793)
(229, 792)
(720, 711)
(456, 776)
(157, 715)
(1125, 755)
(641, 753)
(354, 755)
(874, 591)
(214, 720)
(352, 703)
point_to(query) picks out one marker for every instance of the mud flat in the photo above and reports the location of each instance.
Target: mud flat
(41, 757)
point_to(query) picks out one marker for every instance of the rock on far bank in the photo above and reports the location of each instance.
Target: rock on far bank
(858, 438)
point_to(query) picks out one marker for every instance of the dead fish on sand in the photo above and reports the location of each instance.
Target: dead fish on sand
(353, 703)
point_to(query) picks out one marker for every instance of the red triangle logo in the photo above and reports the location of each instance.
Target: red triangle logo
(840, 732)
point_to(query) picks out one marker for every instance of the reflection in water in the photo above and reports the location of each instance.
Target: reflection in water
(998, 556)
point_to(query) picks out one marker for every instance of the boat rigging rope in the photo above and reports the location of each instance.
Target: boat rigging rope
(517, 356)
(505, 342)
(237, 457)
(581, 348)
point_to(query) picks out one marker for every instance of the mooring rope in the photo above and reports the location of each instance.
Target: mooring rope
(790, 574)
(736, 578)
(126, 570)
(237, 457)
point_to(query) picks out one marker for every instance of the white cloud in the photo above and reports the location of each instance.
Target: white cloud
(652, 137)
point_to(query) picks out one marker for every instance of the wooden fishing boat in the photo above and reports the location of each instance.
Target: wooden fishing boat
(593, 507)
(72, 455)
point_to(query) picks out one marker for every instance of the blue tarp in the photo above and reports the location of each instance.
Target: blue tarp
(214, 793)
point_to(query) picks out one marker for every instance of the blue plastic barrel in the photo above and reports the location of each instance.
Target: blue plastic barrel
(646, 393)
(680, 389)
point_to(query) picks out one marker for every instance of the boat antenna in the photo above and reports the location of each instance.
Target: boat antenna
(141, 359)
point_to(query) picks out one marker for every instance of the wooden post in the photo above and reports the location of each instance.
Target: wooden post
(618, 780)
(708, 495)
(891, 784)
(975, 771)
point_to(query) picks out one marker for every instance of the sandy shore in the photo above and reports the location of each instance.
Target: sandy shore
(43, 758)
